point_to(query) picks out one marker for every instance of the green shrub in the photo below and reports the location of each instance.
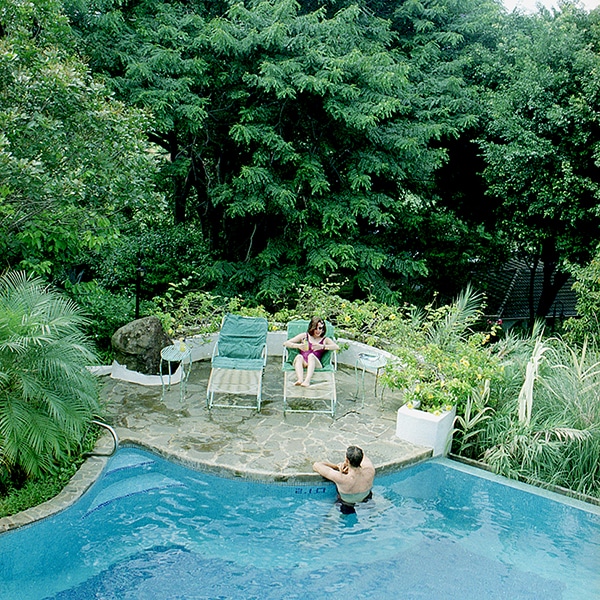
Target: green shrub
(16, 496)
(185, 312)
(557, 441)
(106, 311)
(47, 395)
(443, 361)
(156, 256)
(587, 287)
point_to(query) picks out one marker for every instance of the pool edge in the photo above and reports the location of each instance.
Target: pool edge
(92, 468)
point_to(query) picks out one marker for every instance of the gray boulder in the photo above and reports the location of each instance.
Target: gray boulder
(137, 345)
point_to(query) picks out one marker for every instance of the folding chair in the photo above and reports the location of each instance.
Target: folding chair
(322, 386)
(238, 360)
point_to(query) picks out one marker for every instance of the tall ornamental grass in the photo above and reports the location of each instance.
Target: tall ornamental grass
(548, 430)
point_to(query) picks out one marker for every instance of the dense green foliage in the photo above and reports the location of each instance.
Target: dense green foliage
(543, 424)
(47, 395)
(542, 142)
(297, 143)
(308, 142)
(444, 362)
(587, 286)
(74, 166)
(16, 495)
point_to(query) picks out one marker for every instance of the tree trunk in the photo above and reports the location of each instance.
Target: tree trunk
(181, 184)
(552, 282)
(552, 279)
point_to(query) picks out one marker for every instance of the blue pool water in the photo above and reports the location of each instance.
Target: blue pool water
(150, 529)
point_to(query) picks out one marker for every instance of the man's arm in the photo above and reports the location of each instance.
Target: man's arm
(330, 465)
(329, 471)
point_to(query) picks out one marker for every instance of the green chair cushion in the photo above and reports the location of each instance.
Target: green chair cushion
(242, 338)
(238, 364)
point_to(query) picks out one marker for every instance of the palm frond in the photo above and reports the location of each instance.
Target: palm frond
(47, 396)
(462, 313)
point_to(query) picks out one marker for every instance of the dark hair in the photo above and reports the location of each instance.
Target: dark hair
(354, 455)
(312, 326)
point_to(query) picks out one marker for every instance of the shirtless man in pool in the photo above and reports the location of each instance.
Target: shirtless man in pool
(353, 478)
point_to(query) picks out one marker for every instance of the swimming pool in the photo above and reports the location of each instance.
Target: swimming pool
(150, 529)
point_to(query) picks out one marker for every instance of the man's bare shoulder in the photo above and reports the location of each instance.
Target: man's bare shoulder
(367, 465)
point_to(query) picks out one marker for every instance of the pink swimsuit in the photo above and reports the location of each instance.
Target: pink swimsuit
(318, 353)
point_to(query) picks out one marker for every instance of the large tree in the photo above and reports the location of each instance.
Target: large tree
(448, 44)
(542, 140)
(74, 164)
(302, 142)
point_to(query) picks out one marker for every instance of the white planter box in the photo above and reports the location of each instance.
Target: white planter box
(426, 429)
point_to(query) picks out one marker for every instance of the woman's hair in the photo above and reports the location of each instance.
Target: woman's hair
(312, 326)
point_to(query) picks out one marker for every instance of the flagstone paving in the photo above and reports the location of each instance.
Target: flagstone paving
(267, 445)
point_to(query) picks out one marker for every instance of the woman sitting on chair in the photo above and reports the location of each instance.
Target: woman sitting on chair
(312, 344)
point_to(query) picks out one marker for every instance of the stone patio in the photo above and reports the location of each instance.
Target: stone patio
(265, 445)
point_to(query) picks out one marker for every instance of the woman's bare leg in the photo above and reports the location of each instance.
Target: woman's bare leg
(313, 363)
(299, 365)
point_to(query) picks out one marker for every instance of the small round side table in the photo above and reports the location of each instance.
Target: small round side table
(374, 363)
(181, 353)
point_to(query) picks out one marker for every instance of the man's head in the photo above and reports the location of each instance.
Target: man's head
(354, 455)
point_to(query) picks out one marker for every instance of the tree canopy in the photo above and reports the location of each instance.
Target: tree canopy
(304, 144)
(541, 143)
(74, 162)
(400, 147)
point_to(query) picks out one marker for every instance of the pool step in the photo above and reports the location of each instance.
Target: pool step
(129, 487)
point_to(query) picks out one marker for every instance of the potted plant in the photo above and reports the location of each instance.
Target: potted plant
(445, 363)
(427, 416)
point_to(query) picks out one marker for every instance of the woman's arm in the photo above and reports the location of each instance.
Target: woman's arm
(329, 344)
(295, 342)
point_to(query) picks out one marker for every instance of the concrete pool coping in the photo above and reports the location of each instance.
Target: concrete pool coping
(265, 446)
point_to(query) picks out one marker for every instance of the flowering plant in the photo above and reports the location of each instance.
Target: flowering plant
(445, 361)
(434, 379)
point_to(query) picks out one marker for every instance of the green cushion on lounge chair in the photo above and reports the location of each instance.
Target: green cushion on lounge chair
(242, 337)
(241, 346)
(244, 364)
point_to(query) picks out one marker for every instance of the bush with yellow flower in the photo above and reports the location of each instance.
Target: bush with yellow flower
(435, 379)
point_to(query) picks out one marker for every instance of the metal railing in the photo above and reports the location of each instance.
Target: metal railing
(114, 436)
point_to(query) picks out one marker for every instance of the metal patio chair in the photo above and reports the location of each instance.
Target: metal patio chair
(238, 361)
